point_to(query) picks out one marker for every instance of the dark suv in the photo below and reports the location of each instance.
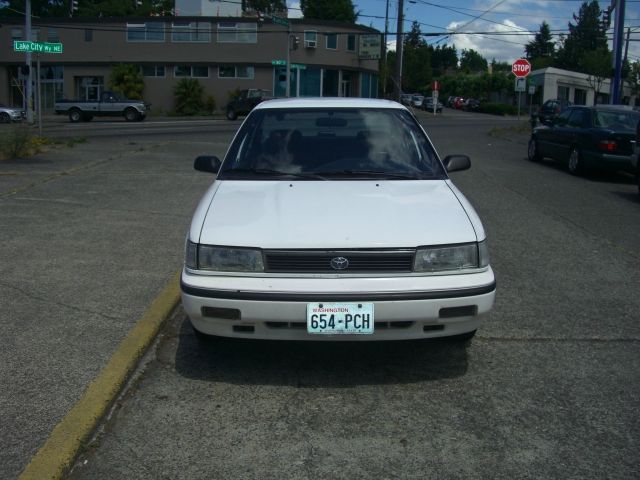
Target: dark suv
(551, 109)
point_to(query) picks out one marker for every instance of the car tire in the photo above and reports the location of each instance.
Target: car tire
(75, 115)
(575, 164)
(5, 117)
(131, 115)
(533, 151)
(231, 114)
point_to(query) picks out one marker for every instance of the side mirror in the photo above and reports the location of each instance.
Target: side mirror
(207, 163)
(456, 163)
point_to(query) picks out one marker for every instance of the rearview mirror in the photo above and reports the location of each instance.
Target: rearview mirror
(207, 163)
(455, 163)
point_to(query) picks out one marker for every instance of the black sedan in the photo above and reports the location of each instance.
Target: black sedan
(597, 138)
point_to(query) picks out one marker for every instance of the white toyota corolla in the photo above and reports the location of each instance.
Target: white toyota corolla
(334, 219)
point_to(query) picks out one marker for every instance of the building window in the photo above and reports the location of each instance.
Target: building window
(52, 35)
(563, 92)
(88, 35)
(236, 71)
(332, 41)
(580, 97)
(310, 38)
(18, 34)
(351, 42)
(191, 32)
(231, 32)
(145, 32)
(195, 71)
(153, 71)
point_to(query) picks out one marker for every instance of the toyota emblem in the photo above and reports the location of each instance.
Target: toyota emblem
(339, 263)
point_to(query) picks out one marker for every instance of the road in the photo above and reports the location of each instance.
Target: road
(549, 387)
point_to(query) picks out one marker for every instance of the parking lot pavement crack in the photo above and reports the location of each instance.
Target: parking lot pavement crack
(60, 304)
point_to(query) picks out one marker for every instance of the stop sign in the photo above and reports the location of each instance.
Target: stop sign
(521, 67)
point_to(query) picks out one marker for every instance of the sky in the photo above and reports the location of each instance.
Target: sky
(493, 31)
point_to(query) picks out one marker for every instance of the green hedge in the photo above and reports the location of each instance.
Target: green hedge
(498, 109)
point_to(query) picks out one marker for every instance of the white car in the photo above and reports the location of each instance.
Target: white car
(11, 114)
(335, 219)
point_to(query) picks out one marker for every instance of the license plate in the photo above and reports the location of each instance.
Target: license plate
(340, 318)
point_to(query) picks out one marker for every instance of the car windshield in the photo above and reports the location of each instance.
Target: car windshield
(616, 120)
(337, 143)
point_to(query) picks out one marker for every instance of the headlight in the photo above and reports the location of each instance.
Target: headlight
(457, 257)
(223, 259)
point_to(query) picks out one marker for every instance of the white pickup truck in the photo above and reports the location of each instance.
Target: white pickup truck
(111, 104)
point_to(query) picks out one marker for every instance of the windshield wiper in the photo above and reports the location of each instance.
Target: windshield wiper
(376, 173)
(275, 173)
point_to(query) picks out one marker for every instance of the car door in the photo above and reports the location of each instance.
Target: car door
(550, 138)
(576, 133)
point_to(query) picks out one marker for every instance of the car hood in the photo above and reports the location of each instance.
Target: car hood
(334, 214)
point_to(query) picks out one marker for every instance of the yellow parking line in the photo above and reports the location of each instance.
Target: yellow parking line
(60, 450)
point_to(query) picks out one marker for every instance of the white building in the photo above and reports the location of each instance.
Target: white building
(578, 88)
(208, 8)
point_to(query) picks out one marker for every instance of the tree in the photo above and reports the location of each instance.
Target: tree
(443, 59)
(340, 10)
(472, 61)
(128, 80)
(416, 61)
(500, 66)
(88, 8)
(188, 96)
(588, 35)
(541, 50)
(267, 6)
(598, 65)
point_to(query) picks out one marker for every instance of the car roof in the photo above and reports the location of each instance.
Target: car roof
(329, 102)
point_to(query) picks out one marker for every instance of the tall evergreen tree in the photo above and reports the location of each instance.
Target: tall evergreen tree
(541, 50)
(472, 61)
(340, 10)
(416, 61)
(586, 37)
(443, 59)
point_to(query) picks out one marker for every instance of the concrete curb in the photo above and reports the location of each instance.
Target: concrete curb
(60, 450)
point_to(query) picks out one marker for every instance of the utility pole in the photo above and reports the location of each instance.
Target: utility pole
(399, 45)
(618, 40)
(29, 89)
(384, 52)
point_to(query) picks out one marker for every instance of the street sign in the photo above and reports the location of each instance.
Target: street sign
(435, 85)
(38, 47)
(521, 84)
(532, 89)
(280, 21)
(299, 66)
(278, 62)
(521, 67)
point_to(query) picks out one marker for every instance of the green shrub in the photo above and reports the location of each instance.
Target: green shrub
(188, 95)
(128, 80)
(210, 104)
(16, 143)
(498, 109)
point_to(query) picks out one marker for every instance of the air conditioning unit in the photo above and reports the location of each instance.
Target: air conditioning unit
(310, 43)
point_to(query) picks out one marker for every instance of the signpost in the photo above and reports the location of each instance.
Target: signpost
(521, 68)
(37, 47)
(435, 89)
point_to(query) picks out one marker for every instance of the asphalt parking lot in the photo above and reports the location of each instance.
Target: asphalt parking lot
(548, 389)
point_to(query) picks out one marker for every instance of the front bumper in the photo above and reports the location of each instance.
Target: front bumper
(408, 307)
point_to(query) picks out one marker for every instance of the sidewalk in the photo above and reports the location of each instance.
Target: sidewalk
(90, 235)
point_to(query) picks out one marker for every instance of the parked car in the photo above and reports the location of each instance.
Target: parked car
(471, 105)
(110, 104)
(450, 101)
(405, 98)
(428, 105)
(416, 101)
(551, 109)
(635, 156)
(246, 101)
(11, 114)
(588, 138)
(335, 219)
(458, 103)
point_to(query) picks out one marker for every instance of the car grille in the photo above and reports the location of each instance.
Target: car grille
(359, 261)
